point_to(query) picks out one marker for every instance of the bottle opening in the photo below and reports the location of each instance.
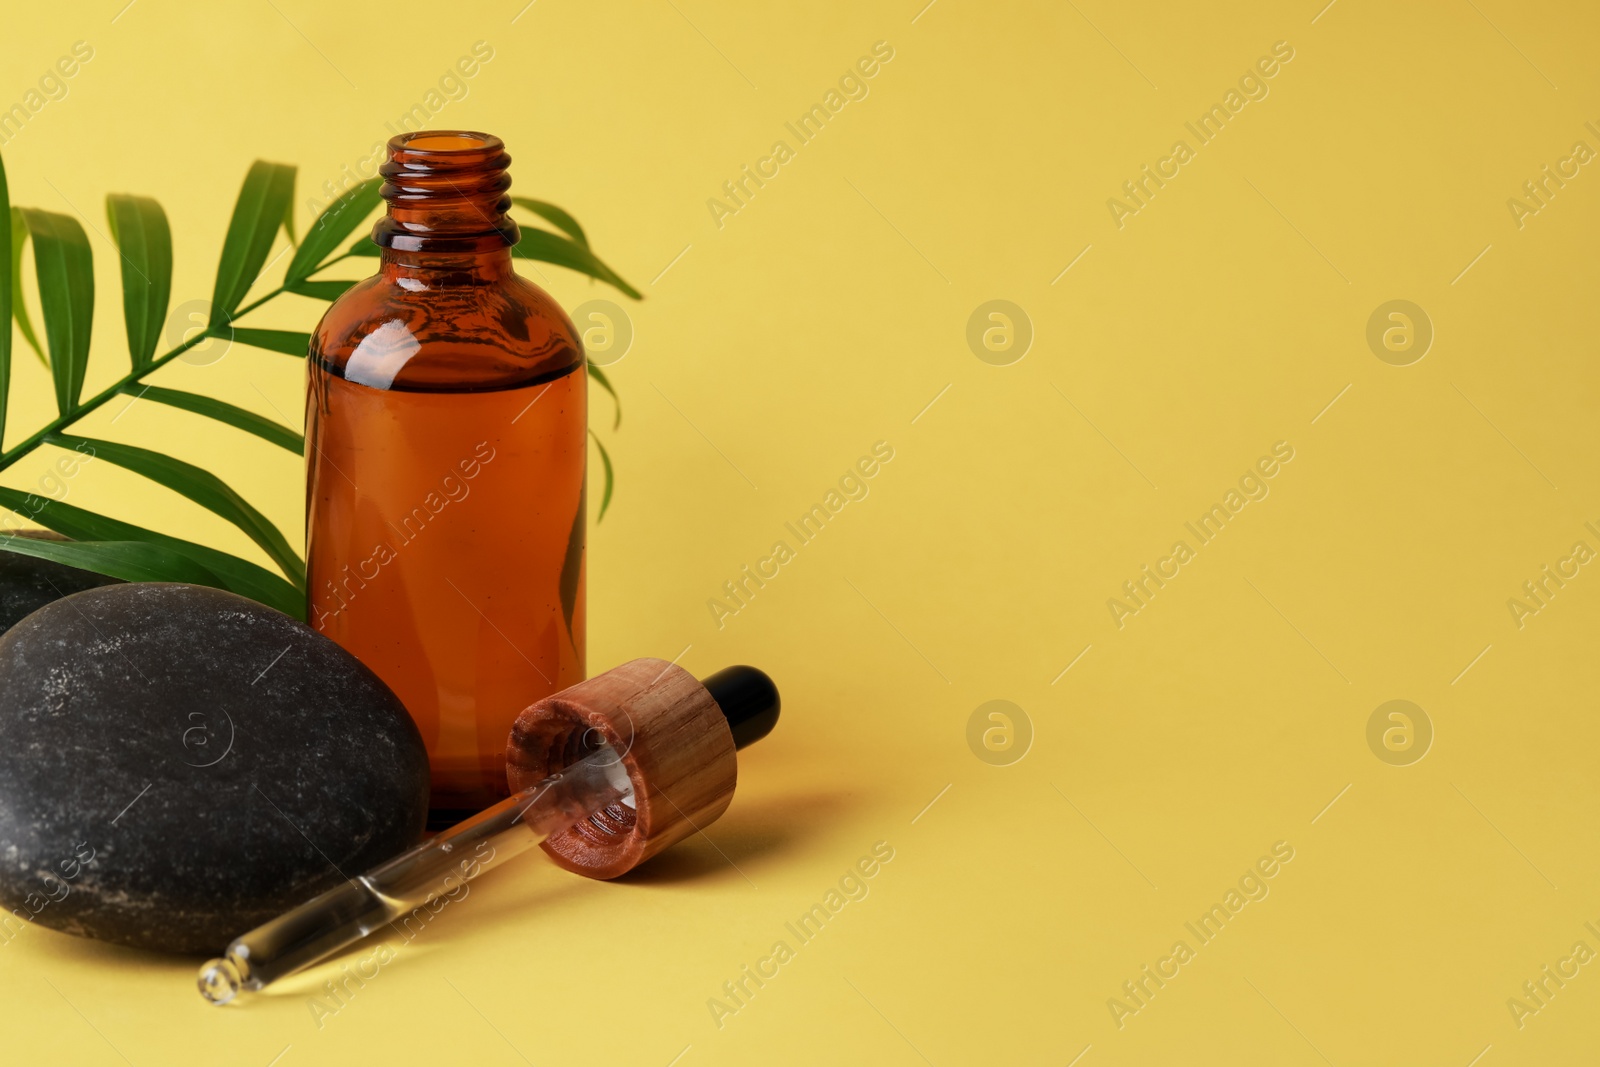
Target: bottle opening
(445, 141)
(447, 194)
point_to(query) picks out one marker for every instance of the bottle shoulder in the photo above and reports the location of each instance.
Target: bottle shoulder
(469, 336)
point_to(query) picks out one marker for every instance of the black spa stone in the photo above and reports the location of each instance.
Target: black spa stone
(28, 584)
(179, 764)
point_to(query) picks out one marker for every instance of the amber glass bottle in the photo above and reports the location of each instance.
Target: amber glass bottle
(445, 454)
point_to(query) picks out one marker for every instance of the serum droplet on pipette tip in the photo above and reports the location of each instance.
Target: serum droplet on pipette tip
(219, 981)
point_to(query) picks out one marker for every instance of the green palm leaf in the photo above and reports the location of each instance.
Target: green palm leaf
(65, 268)
(546, 247)
(133, 561)
(555, 216)
(222, 411)
(201, 486)
(139, 227)
(605, 383)
(230, 572)
(605, 461)
(263, 205)
(329, 291)
(289, 342)
(572, 563)
(335, 223)
(19, 310)
(288, 215)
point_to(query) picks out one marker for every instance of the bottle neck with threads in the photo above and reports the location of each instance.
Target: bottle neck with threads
(448, 198)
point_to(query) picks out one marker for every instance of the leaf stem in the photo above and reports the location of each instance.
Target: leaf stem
(61, 422)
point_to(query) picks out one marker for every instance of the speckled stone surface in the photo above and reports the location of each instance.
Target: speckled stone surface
(28, 584)
(179, 764)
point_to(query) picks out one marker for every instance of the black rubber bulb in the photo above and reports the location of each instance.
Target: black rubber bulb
(749, 701)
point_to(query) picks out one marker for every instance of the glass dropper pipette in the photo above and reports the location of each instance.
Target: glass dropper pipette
(347, 913)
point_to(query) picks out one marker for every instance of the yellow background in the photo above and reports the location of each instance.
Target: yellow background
(823, 317)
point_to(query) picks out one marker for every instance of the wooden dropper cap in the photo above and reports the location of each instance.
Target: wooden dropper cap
(676, 737)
